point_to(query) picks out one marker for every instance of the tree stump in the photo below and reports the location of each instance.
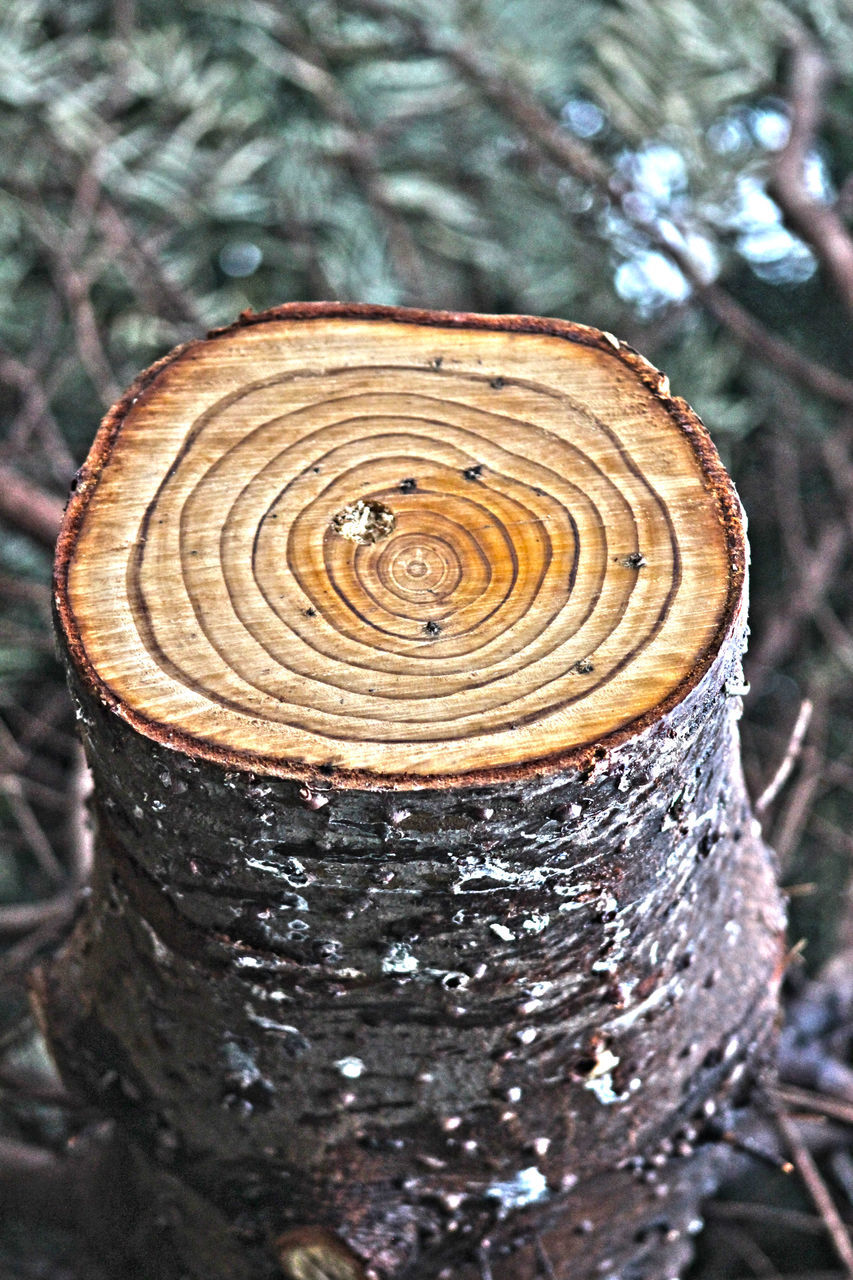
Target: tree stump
(429, 907)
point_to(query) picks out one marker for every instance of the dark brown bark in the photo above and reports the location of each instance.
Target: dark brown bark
(399, 1030)
(398, 1012)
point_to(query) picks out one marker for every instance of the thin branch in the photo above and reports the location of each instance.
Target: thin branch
(34, 389)
(790, 758)
(751, 1253)
(835, 634)
(769, 1214)
(813, 220)
(574, 157)
(24, 917)
(38, 1087)
(41, 722)
(748, 1146)
(570, 154)
(755, 337)
(817, 1189)
(28, 507)
(144, 269)
(48, 797)
(817, 573)
(836, 450)
(63, 248)
(75, 285)
(842, 1168)
(31, 829)
(798, 810)
(809, 1100)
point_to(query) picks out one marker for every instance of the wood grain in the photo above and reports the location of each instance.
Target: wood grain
(560, 560)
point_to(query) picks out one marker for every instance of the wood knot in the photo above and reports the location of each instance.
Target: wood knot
(364, 522)
(635, 560)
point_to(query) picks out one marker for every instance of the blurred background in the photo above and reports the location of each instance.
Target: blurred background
(677, 172)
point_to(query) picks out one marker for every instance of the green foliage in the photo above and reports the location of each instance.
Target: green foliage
(674, 68)
(160, 178)
(162, 168)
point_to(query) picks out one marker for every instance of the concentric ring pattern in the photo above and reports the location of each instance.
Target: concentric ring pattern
(527, 595)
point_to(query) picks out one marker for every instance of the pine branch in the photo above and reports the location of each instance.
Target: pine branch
(578, 160)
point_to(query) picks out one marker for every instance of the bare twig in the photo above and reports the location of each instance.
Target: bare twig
(36, 1182)
(842, 1168)
(818, 571)
(817, 222)
(770, 1214)
(35, 414)
(751, 1253)
(24, 917)
(817, 1189)
(836, 773)
(836, 450)
(31, 829)
(28, 507)
(48, 797)
(17, 960)
(809, 1100)
(39, 768)
(38, 1087)
(835, 634)
(750, 1147)
(75, 285)
(63, 248)
(11, 755)
(755, 337)
(790, 758)
(41, 723)
(797, 811)
(144, 269)
(786, 469)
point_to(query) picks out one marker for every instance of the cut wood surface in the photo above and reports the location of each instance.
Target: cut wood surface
(429, 916)
(396, 543)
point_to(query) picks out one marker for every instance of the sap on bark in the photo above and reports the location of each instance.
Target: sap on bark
(429, 909)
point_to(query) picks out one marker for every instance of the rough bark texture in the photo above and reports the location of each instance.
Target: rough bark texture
(423, 1017)
(422, 1031)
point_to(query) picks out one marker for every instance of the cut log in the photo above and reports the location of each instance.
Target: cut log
(429, 907)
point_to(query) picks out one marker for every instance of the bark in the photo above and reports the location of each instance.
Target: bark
(422, 1027)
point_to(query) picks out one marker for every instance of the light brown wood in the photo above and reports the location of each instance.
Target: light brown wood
(399, 544)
